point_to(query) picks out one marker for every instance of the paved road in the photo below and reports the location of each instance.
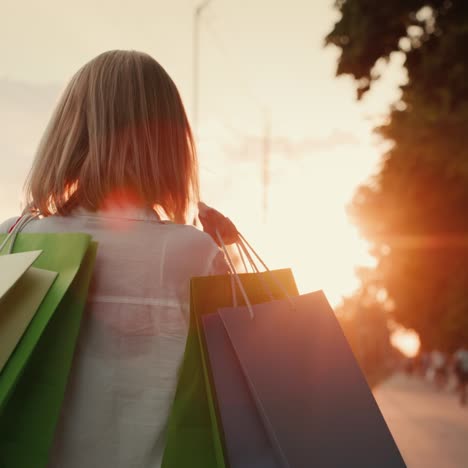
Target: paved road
(429, 426)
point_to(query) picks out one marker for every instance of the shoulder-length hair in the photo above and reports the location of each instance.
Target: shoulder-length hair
(119, 127)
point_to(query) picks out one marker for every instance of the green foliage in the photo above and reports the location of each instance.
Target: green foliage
(415, 209)
(364, 324)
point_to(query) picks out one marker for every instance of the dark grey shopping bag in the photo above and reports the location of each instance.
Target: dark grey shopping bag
(246, 444)
(289, 390)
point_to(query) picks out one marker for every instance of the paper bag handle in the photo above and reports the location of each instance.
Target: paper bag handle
(17, 227)
(242, 246)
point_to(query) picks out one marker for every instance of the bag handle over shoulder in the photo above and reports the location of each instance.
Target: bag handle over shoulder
(242, 244)
(20, 223)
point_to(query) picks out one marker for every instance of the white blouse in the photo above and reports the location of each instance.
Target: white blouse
(132, 338)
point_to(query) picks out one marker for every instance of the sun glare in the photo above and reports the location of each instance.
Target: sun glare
(306, 226)
(407, 341)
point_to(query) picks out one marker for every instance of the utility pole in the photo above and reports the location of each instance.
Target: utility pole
(262, 146)
(196, 56)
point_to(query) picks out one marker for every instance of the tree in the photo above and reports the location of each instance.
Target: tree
(415, 210)
(363, 320)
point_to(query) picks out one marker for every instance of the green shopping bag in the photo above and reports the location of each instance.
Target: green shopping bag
(33, 381)
(194, 439)
(17, 308)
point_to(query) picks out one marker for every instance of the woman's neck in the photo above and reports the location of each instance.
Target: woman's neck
(121, 199)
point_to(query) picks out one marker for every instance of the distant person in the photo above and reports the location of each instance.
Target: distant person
(424, 362)
(118, 161)
(409, 365)
(461, 371)
(439, 367)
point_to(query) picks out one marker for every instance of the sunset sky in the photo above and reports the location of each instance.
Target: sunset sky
(260, 61)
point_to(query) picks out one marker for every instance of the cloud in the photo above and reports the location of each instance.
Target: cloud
(290, 149)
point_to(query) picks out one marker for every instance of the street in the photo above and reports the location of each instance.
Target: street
(429, 426)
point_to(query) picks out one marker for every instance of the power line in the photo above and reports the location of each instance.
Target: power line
(252, 97)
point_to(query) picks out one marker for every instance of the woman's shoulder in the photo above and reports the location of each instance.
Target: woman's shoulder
(6, 225)
(195, 247)
(192, 236)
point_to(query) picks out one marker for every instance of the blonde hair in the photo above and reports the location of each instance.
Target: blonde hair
(119, 127)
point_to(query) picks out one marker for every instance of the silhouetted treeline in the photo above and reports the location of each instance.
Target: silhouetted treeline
(415, 210)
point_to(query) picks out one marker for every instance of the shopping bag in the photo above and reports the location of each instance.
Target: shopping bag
(12, 268)
(193, 437)
(307, 388)
(17, 276)
(33, 381)
(288, 390)
(245, 442)
(17, 308)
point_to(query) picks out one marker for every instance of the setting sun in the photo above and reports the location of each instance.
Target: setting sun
(141, 141)
(407, 341)
(306, 226)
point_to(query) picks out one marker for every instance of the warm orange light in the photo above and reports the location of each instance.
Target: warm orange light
(306, 226)
(407, 341)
